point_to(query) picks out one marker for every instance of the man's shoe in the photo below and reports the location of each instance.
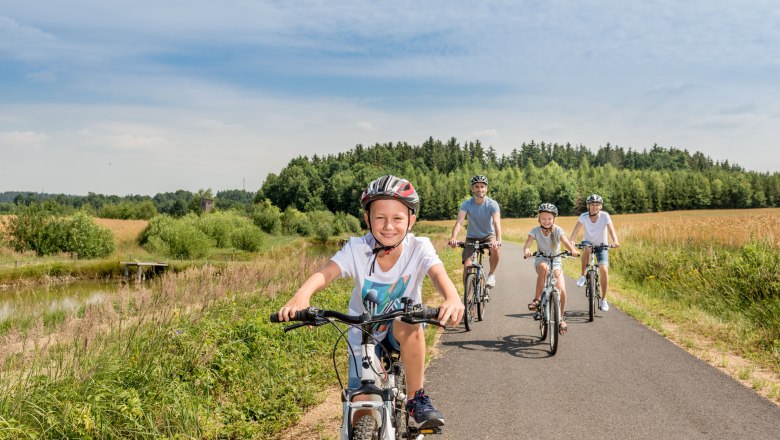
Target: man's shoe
(422, 414)
(491, 281)
(604, 306)
(581, 281)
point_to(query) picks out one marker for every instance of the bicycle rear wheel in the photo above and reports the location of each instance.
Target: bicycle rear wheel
(470, 301)
(555, 321)
(481, 298)
(590, 290)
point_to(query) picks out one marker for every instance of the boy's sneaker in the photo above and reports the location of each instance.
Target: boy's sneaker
(581, 281)
(422, 414)
(604, 306)
(491, 281)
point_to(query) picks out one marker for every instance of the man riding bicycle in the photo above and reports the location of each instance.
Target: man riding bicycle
(595, 224)
(484, 225)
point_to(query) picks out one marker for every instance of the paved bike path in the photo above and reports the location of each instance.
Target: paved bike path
(611, 378)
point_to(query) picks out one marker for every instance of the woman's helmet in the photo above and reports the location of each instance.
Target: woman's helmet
(479, 179)
(594, 198)
(548, 207)
(390, 187)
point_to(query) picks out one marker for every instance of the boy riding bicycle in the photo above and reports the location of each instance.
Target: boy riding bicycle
(549, 237)
(484, 226)
(388, 264)
(595, 223)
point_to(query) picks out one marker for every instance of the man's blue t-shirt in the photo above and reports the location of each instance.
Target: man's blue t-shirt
(480, 217)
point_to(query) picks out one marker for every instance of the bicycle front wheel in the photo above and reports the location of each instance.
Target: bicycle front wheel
(590, 289)
(401, 417)
(545, 316)
(481, 297)
(555, 321)
(366, 429)
(470, 301)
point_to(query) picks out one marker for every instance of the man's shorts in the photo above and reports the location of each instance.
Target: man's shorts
(468, 250)
(602, 256)
(388, 343)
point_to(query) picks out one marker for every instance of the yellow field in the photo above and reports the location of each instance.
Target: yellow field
(728, 227)
(124, 230)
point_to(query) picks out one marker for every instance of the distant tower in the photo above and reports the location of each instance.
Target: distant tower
(206, 204)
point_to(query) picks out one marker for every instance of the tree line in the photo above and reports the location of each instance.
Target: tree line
(655, 179)
(631, 181)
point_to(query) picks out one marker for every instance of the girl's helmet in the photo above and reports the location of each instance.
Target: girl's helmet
(594, 198)
(548, 207)
(390, 187)
(479, 179)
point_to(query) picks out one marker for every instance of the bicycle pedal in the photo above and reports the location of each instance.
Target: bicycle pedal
(537, 316)
(425, 431)
(486, 298)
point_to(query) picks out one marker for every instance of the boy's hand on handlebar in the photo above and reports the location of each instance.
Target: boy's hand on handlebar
(451, 312)
(288, 310)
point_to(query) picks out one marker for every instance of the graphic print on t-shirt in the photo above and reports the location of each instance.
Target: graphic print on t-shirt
(379, 298)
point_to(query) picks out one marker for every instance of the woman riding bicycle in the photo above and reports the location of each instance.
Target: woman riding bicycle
(549, 237)
(388, 264)
(595, 223)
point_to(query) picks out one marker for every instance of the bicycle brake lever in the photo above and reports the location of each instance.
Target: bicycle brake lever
(318, 322)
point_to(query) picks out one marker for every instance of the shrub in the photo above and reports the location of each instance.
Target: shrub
(248, 238)
(81, 235)
(268, 217)
(295, 222)
(176, 238)
(322, 224)
(346, 224)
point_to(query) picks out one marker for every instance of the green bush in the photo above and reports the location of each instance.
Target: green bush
(248, 238)
(295, 222)
(268, 217)
(176, 238)
(34, 229)
(82, 236)
(218, 226)
(346, 224)
(322, 224)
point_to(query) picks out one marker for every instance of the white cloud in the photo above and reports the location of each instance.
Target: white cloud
(22, 139)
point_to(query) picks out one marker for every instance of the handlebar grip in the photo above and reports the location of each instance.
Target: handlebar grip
(431, 313)
(300, 315)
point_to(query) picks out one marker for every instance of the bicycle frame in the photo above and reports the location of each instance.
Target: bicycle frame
(592, 273)
(378, 374)
(479, 282)
(550, 302)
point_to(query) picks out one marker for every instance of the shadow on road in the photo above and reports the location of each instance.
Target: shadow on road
(522, 346)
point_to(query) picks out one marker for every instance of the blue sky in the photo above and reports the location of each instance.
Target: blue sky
(145, 96)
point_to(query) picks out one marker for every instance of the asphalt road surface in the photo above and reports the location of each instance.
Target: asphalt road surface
(611, 378)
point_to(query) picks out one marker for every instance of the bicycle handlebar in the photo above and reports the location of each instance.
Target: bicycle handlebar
(595, 247)
(313, 316)
(551, 257)
(476, 244)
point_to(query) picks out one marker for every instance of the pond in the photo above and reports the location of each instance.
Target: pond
(58, 297)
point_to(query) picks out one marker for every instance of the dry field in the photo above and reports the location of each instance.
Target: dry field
(728, 227)
(124, 230)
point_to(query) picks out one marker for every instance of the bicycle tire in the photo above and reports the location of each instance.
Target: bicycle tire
(543, 321)
(555, 321)
(401, 417)
(469, 301)
(481, 298)
(366, 429)
(590, 290)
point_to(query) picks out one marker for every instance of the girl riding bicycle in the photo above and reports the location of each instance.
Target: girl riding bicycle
(549, 237)
(387, 264)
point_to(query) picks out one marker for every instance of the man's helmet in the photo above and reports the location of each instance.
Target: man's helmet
(548, 207)
(594, 198)
(390, 187)
(479, 179)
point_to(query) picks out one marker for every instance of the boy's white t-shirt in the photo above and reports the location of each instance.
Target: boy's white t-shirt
(382, 291)
(595, 233)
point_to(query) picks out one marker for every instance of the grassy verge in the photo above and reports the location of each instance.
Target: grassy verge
(721, 303)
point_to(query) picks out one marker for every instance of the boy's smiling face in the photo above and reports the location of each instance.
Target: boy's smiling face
(546, 219)
(389, 220)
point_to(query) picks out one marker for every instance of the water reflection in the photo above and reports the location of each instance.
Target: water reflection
(50, 298)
